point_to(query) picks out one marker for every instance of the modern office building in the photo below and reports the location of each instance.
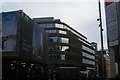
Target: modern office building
(24, 45)
(67, 47)
(113, 34)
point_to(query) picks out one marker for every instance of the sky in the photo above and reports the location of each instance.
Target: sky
(80, 15)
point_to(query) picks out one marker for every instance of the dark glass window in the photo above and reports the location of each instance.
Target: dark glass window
(88, 49)
(88, 62)
(53, 39)
(88, 55)
(58, 48)
(62, 32)
(47, 25)
(59, 39)
(51, 31)
(57, 56)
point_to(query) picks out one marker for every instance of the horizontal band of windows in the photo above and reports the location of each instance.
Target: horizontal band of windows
(57, 56)
(88, 49)
(88, 52)
(61, 24)
(57, 31)
(88, 62)
(88, 58)
(58, 35)
(88, 55)
(58, 48)
(59, 39)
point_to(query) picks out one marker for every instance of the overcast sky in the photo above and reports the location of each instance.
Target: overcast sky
(79, 15)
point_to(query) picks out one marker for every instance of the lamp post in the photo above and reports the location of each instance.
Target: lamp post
(101, 34)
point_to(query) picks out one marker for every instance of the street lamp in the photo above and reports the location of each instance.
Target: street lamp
(101, 34)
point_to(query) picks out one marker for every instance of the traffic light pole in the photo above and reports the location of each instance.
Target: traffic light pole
(101, 34)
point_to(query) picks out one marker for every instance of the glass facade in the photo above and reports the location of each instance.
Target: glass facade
(67, 28)
(88, 49)
(47, 25)
(66, 45)
(64, 40)
(53, 39)
(57, 56)
(74, 39)
(88, 55)
(62, 32)
(88, 62)
(62, 27)
(58, 48)
(59, 39)
(57, 31)
(51, 31)
(62, 56)
(64, 48)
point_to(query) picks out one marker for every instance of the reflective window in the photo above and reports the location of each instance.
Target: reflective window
(56, 31)
(88, 55)
(50, 25)
(62, 27)
(88, 49)
(59, 39)
(62, 32)
(64, 40)
(64, 48)
(62, 56)
(59, 26)
(65, 27)
(51, 31)
(44, 25)
(54, 48)
(58, 48)
(47, 25)
(88, 62)
(53, 39)
(57, 56)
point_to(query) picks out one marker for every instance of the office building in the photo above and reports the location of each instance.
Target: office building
(67, 47)
(113, 34)
(24, 45)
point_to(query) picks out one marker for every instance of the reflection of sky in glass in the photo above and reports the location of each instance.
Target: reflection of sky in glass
(9, 30)
(88, 62)
(88, 49)
(47, 25)
(58, 48)
(56, 31)
(53, 39)
(64, 48)
(51, 31)
(62, 32)
(38, 41)
(59, 39)
(9, 21)
(64, 40)
(88, 55)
